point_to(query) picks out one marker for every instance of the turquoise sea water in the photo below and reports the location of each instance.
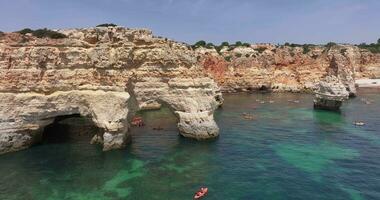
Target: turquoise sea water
(289, 151)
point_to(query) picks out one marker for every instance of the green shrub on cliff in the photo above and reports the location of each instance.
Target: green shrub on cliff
(1, 34)
(240, 44)
(25, 31)
(46, 33)
(198, 44)
(210, 45)
(374, 48)
(246, 44)
(225, 44)
(218, 48)
(228, 58)
(261, 49)
(43, 33)
(292, 44)
(305, 49)
(106, 25)
(330, 44)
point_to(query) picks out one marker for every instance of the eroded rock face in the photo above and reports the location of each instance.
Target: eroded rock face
(342, 67)
(285, 68)
(24, 115)
(188, 98)
(338, 84)
(330, 94)
(106, 74)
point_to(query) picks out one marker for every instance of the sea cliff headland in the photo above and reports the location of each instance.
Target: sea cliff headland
(108, 73)
(104, 73)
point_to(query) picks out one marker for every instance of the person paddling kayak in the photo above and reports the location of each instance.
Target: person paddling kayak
(201, 193)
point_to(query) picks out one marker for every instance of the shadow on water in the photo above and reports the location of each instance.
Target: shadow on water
(324, 117)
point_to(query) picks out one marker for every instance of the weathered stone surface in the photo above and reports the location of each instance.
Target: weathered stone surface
(24, 115)
(330, 94)
(342, 67)
(339, 83)
(285, 68)
(103, 73)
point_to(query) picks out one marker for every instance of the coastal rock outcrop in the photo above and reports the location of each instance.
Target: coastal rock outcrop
(338, 84)
(330, 94)
(342, 67)
(106, 74)
(24, 115)
(286, 68)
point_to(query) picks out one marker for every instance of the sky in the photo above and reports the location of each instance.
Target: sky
(253, 21)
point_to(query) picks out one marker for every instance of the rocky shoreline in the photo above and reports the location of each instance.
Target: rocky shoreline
(109, 73)
(283, 68)
(105, 74)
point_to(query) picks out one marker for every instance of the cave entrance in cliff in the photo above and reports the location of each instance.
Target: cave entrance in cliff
(70, 128)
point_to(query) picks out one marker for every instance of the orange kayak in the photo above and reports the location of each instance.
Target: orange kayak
(201, 193)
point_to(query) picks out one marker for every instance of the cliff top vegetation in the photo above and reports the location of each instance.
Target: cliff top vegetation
(43, 33)
(106, 25)
(373, 47)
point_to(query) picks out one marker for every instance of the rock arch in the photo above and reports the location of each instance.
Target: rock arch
(193, 106)
(47, 78)
(108, 111)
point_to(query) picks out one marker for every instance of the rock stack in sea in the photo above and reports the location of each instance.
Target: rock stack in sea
(106, 74)
(330, 94)
(339, 82)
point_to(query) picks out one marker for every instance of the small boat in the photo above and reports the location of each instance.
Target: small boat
(359, 123)
(201, 193)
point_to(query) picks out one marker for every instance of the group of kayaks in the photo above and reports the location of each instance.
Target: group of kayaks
(201, 193)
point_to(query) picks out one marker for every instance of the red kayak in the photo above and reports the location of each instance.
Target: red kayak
(137, 121)
(201, 193)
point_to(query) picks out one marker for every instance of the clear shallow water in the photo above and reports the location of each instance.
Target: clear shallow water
(289, 151)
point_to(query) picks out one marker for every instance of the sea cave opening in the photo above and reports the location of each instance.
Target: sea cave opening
(70, 128)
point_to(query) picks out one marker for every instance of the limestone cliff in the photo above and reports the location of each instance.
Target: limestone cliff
(284, 68)
(102, 73)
